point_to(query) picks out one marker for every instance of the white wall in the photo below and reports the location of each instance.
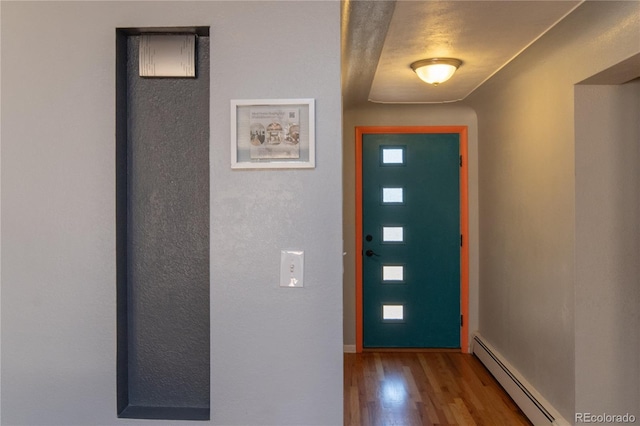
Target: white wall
(608, 249)
(527, 190)
(405, 115)
(276, 355)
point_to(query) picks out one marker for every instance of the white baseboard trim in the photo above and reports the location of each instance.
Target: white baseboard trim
(537, 409)
(349, 349)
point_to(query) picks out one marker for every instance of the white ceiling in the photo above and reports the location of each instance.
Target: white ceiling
(387, 36)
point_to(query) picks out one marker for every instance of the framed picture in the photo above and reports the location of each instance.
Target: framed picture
(272, 133)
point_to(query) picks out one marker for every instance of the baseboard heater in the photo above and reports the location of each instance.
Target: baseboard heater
(532, 404)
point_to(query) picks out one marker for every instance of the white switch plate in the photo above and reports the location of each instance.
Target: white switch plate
(291, 268)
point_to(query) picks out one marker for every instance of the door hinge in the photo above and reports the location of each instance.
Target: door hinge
(461, 320)
(460, 240)
(461, 161)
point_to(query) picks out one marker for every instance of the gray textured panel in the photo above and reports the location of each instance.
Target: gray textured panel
(168, 236)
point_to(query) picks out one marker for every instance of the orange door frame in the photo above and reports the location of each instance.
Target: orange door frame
(464, 220)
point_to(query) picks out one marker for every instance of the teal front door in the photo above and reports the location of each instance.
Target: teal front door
(411, 240)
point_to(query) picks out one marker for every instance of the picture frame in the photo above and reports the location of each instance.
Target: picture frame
(272, 133)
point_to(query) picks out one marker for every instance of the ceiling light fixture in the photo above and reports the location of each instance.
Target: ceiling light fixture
(436, 70)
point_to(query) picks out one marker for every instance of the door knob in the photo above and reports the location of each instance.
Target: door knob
(370, 253)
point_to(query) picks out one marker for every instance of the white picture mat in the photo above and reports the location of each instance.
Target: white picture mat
(241, 110)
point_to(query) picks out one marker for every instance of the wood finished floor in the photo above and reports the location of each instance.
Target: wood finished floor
(424, 388)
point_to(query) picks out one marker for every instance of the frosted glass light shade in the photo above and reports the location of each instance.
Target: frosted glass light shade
(436, 70)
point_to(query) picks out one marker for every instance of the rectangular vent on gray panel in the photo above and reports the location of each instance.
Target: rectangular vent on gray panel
(162, 241)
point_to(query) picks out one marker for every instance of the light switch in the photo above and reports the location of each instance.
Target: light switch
(291, 268)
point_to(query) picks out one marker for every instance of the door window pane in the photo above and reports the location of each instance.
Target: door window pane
(392, 155)
(392, 195)
(392, 273)
(392, 234)
(392, 312)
